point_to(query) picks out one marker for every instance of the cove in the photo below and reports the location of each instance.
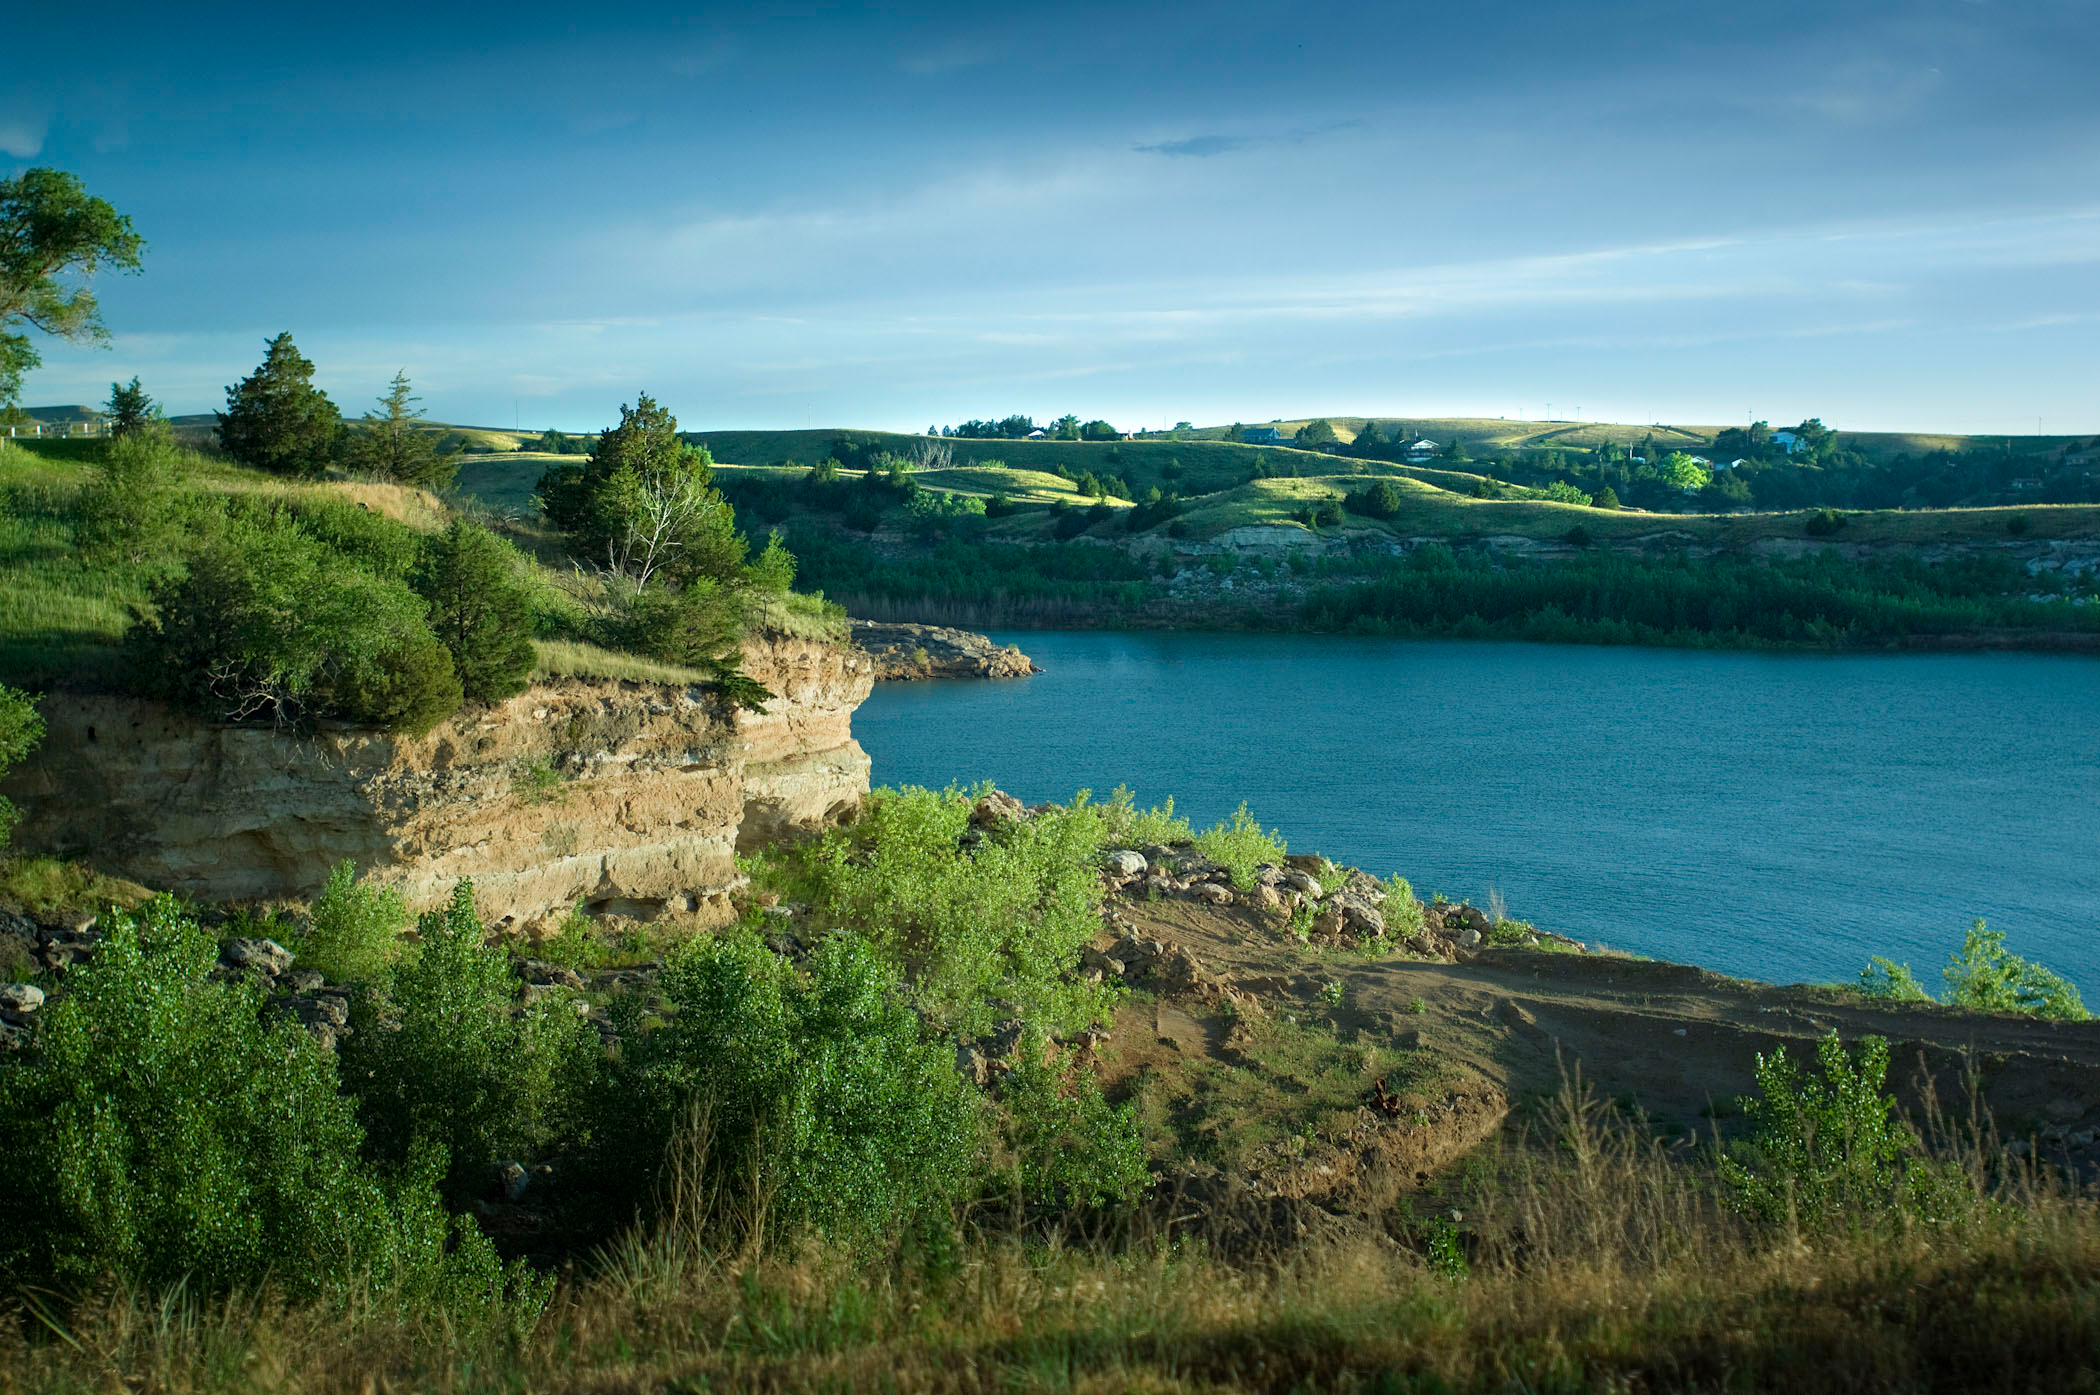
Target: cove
(1778, 816)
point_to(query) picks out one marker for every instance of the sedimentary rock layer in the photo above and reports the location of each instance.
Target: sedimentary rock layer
(629, 798)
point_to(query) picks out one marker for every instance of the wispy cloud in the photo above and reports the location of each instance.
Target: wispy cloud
(21, 137)
(1196, 147)
(950, 57)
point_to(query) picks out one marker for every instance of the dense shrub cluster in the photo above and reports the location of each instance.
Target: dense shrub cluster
(304, 607)
(1983, 976)
(160, 1130)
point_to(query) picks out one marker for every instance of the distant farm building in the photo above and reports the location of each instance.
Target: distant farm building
(1422, 450)
(1265, 436)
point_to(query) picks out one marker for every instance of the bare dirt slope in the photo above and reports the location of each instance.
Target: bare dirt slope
(1334, 1074)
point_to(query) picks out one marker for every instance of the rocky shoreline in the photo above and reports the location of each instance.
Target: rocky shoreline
(904, 652)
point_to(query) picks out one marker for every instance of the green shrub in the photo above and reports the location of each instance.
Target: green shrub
(160, 1130)
(536, 781)
(1124, 825)
(1240, 845)
(1823, 1145)
(1003, 920)
(822, 1099)
(1823, 522)
(355, 935)
(698, 625)
(1883, 978)
(1070, 1146)
(440, 1059)
(267, 622)
(1984, 978)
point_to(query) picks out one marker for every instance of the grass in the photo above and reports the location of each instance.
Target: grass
(568, 658)
(43, 885)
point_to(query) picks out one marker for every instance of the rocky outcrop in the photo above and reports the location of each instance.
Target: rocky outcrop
(629, 798)
(935, 651)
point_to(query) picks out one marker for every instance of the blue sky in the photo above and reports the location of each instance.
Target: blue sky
(1886, 214)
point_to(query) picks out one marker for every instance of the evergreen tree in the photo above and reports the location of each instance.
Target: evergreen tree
(642, 502)
(1315, 434)
(478, 610)
(130, 409)
(393, 444)
(276, 419)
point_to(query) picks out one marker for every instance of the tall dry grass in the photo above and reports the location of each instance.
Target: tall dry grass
(1599, 1260)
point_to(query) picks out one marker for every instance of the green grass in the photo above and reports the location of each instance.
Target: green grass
(566, 658)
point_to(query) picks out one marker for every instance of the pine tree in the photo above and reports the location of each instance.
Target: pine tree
(394, 445)
(276, 419)
(478, 610)
(130, 409)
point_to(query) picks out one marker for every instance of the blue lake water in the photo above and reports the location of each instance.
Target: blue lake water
(1777, 816)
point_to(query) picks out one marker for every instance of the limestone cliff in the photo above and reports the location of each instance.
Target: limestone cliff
(904, 651)
(630, 798)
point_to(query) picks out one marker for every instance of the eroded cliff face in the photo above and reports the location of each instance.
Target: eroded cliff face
(630, 798)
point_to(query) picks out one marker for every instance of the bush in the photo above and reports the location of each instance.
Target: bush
(1124, 825)
(1002, 920)
(821, 1102)
(159, 1131)
(1821, 1146)
(1240, 845)
(441, 1061)
(1823, 522)
(266, 621)
(1380, 500)
(356, 930)
(1071, 1148)
(1984, 978)
(698, 625)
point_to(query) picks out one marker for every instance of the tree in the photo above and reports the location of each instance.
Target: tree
(1098, 430)
(1681, 472)
(1315, 434)
(642, 501)
(1065, 428)
(1606, 499)
(130, 409)
(1369, 440)
(54, 237)
(394, 445)
(478, 609)
(276, 419)
(21, 728)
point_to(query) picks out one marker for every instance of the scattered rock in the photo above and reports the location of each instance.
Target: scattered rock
(1358, 915)
(300, 980)
(20, 997)
(1212, 893)
(259, 956)
(556, 975)
(973, 1065)
(1302, 882)
(1265, 897)
(514, 1180)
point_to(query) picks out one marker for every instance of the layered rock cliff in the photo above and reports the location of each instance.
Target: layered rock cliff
(630, 798)
(904, 651)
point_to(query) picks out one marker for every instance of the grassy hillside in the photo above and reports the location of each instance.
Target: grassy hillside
(66, 604)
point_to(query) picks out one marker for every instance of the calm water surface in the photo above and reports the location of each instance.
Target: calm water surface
(1779, 816)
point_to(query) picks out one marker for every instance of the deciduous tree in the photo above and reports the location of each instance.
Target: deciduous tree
(54, 237)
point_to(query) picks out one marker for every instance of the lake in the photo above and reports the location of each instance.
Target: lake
(1781, 816)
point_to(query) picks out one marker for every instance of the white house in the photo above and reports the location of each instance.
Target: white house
(1263, 436)
(1422, 450)
(1789, 442)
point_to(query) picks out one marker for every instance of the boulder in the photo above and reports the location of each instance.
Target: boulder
(1358, 914)
(258, 956)
(1211, 893)
(973, 1065)
(20, 997)
(301, 980)
(1314, 864)
(1177, 971)
(1469, 938)
(996, 808)
(1265, 897)
(1122, 862)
